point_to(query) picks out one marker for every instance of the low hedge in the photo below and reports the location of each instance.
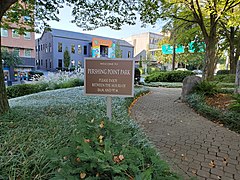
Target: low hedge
(220, 72)
(169, 76)
(225, 78)
(25, 89)
(230, 119)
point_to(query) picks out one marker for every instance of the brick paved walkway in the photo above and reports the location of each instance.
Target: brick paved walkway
(191, 144)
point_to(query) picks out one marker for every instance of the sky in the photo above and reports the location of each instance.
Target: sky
(126, 31)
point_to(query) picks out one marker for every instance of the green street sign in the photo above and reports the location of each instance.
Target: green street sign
(179, 48)
(168, 49)
(200, 46)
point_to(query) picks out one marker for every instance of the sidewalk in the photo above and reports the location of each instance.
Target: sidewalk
(192, 145)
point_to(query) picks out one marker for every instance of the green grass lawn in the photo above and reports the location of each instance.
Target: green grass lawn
(58, 135)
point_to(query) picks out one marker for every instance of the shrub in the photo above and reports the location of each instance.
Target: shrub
(169, 76)
(206, 88)
(22, 90)
(151, 70)
(25, 89)
(235, 106)
(225, 78)
(219, 72)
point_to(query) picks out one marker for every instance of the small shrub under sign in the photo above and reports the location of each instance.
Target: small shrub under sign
(105, 150)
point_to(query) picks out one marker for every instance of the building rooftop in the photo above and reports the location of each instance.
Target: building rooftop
(86, 37)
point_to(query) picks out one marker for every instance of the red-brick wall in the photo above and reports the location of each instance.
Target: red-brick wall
(19, 42)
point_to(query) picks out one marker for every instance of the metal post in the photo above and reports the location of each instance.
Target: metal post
(109, 107)
(173, 57)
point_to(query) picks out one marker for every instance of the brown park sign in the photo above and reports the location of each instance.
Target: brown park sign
(109, 77)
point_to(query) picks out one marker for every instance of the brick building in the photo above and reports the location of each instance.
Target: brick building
(24, 47)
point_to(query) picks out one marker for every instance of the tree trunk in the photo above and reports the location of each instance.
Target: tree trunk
(4, 106)
(237, 82)
(233, 62)
(211, 59)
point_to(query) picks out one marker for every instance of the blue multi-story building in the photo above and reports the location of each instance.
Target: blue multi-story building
(50, 48)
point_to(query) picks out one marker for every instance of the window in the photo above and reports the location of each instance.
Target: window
(27, 35)
(46, 48)
(79, 49)
(129, 54)
(16, 51)
(50, 47)
(26, 18)
(27, 52)
(50, 63)
(15, 34)
(41, 47)
(72, 63)
(41, 62)
(73, 48)
(46, 64)
(59, 47)
(60, 63)
(85, 50)
(4, 32)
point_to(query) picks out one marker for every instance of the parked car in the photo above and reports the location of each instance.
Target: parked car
(197, 71)
(181, 69)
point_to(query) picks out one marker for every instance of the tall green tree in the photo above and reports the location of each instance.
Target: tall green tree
(11, 16)
(10, 58)
(206, 14)
(118, 51)
(231, 35)
(66, 58)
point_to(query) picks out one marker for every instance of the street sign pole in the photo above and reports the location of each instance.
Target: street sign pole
(109, 107)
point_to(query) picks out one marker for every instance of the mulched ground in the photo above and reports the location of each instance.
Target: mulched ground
(221, 101)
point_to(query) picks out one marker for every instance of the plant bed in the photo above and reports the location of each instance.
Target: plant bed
(62, 134)
(216, 108)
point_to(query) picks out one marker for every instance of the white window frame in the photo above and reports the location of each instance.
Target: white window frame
(4, 32)
(17, 35)
(25, 50)
(27, 36)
